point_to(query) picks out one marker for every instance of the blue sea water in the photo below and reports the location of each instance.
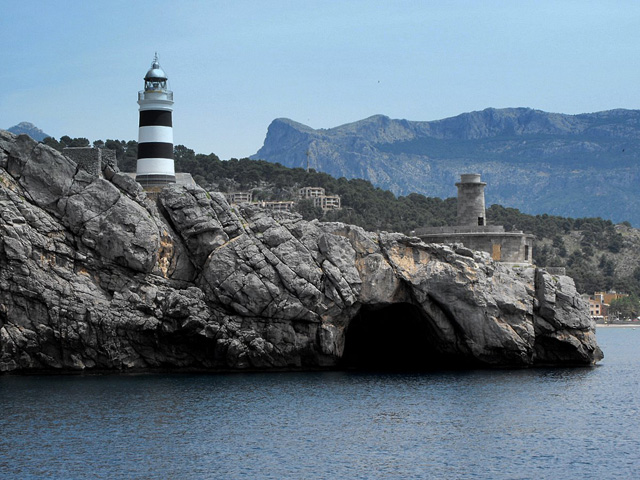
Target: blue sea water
(516, 424)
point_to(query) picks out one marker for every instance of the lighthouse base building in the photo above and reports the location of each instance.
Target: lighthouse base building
(473, 232)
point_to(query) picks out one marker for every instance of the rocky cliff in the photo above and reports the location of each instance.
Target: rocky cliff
(95, 276)
(569, 165)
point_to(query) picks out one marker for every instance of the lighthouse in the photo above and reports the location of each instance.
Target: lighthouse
(471, 200)
(155, 134)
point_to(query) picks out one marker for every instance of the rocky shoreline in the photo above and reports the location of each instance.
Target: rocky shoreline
(94, 276)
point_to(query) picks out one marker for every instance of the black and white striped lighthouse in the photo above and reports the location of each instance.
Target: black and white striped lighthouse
(155, 136)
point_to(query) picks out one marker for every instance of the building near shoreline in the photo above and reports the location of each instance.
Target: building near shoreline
(608, 297)
(598, 310)
(285, 206)
(600, 302)
(235, 198)
(311, 192)
(320, 199)
(472, 230)
(315, 194)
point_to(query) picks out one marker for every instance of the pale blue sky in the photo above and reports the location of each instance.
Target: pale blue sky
(74, 67)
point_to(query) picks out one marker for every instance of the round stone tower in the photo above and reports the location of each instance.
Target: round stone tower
(471, 200)
(155, 135)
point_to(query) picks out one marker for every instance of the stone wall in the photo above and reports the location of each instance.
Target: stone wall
(511, 247)
(87, 158)
(556, 270)
(459, 229)
(92, 160)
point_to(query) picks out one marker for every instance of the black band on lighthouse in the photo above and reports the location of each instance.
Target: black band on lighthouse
(155, 150)
(155, 118)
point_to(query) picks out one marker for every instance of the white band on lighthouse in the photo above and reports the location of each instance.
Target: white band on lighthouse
(155, 166)
(155, 133)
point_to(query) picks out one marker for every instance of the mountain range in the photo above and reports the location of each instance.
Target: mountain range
(30, 129)
(585, 165)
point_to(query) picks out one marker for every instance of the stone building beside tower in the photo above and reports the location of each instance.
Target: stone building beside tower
(472, 230)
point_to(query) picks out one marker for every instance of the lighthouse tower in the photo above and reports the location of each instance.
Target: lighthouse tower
(471, 210)
(155, 135)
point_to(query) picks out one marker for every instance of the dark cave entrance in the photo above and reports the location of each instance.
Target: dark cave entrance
(395, 337)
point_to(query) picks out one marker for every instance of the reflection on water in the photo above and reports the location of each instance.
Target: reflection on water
(542, 423)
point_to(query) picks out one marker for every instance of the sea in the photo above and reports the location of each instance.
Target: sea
(546, 423)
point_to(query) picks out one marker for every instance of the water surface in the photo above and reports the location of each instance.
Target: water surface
(522, 424)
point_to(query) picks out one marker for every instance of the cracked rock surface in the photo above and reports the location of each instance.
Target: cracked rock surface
(95, 276)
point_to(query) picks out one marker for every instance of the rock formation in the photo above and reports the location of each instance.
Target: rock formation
(95, 276)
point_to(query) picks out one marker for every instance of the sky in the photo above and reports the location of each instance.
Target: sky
(75, 67)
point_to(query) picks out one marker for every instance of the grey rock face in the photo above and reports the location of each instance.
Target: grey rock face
(93, 276)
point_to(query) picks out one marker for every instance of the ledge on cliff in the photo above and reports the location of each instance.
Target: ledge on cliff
(94, 276)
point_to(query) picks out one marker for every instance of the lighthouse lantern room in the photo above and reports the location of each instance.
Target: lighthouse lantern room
(155, 165)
